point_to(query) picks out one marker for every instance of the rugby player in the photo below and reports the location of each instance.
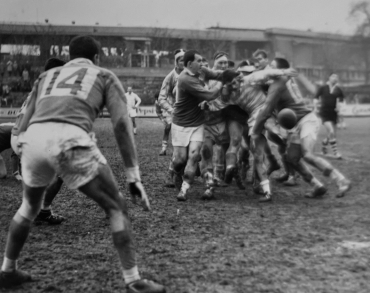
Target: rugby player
(166, 100)
(302, 138)
(5, 139)
(331, 98)
(262, 60)
(58, 121)
(215, 133)
(45, 214)
(246, 92)
(188, 120)
(133, 103)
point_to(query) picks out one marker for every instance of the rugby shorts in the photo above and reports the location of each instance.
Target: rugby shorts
(132, 113)
(53, 148)
(182, 136)
(309, 125)
(217, 133)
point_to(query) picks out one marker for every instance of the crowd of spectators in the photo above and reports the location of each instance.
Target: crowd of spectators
(16, 78)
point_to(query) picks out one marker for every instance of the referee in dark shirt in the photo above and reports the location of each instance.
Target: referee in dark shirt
(330, 96)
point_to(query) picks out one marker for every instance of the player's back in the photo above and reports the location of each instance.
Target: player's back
(74, 93)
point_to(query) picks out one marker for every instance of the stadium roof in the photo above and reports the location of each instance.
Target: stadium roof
(211, 33)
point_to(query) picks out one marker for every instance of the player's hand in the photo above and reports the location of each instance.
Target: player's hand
(290, 72)
(204, 105)
(137, 190)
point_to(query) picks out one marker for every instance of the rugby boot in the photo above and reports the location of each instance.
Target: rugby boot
(317, 192)
(273, 166)
(145, 286)
(182, 196)
(344, 186)
(291, 181)
(47, 216)
(208, 194)
(169, 180)
(238, 180)
(229, 174)
(266, 197)
(14, 278)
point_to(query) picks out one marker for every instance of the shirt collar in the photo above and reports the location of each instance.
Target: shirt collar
(80, 60)
(189, 72)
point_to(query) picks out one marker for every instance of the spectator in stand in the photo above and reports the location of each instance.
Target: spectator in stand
(2, 69)
(9, 68)
(26, 79)
(15, 68)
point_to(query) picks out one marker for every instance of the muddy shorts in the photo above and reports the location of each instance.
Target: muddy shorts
(57, 148)
(309, 125)
(182, 136)
(217, 133)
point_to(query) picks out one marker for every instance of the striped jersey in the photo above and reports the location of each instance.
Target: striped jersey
(74, 93)
(251, 95)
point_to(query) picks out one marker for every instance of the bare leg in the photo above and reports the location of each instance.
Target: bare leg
(193, 157)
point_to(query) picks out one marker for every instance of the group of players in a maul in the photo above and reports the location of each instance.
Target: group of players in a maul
(236, 110)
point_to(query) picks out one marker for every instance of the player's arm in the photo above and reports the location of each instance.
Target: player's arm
(340, 100)
(158, 111)
(138, 101)
(30, 109)
(211, 74)
(163, 96)
(269, 106)
(262, 76)
(116, 104)
(194, 86)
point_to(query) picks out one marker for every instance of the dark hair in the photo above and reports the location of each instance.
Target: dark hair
(231, 63)
(84, 47)
(53, 62)
(228, 75)
(282, 63)
(189, 56)
(246, 63)
(260, 52)
(219, 54)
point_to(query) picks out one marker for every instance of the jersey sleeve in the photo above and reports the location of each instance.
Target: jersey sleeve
(164, 95)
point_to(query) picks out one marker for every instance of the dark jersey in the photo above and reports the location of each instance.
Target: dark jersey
(328, 100)
(279, 97)
(191, 91)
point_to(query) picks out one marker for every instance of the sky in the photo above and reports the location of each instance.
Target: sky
(316, 15)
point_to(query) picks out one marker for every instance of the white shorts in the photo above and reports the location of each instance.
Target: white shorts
(182, 136)
(58, 148)
(309, 125)
(14, 144)
(132, 113)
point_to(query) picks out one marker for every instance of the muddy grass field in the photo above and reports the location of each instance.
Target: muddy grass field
(231, 244)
